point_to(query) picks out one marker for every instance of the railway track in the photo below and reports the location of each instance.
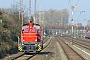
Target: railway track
(23, 56)
(70, 53)
(80, 42)
(84, 40)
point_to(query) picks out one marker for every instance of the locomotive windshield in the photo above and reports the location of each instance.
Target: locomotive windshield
(24, 27)
(36, 26)
(29, 31)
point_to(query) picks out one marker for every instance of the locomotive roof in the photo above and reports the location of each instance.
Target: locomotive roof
(29, 23)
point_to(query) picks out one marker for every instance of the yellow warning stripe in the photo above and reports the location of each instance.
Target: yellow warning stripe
(20, 47)
(39, 47)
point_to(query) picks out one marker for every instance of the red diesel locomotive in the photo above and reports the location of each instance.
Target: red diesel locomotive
(31, 38)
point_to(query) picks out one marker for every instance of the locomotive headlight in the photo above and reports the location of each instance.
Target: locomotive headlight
(23, 40)
(36, 40)
(22, 44)
(35, 44)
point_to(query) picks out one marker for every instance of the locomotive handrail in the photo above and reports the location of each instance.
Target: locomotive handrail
(18, 40)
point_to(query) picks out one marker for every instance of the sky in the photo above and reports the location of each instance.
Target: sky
(82, 5)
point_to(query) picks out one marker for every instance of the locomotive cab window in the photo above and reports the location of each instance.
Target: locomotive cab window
(38, 31)
(36, 26)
